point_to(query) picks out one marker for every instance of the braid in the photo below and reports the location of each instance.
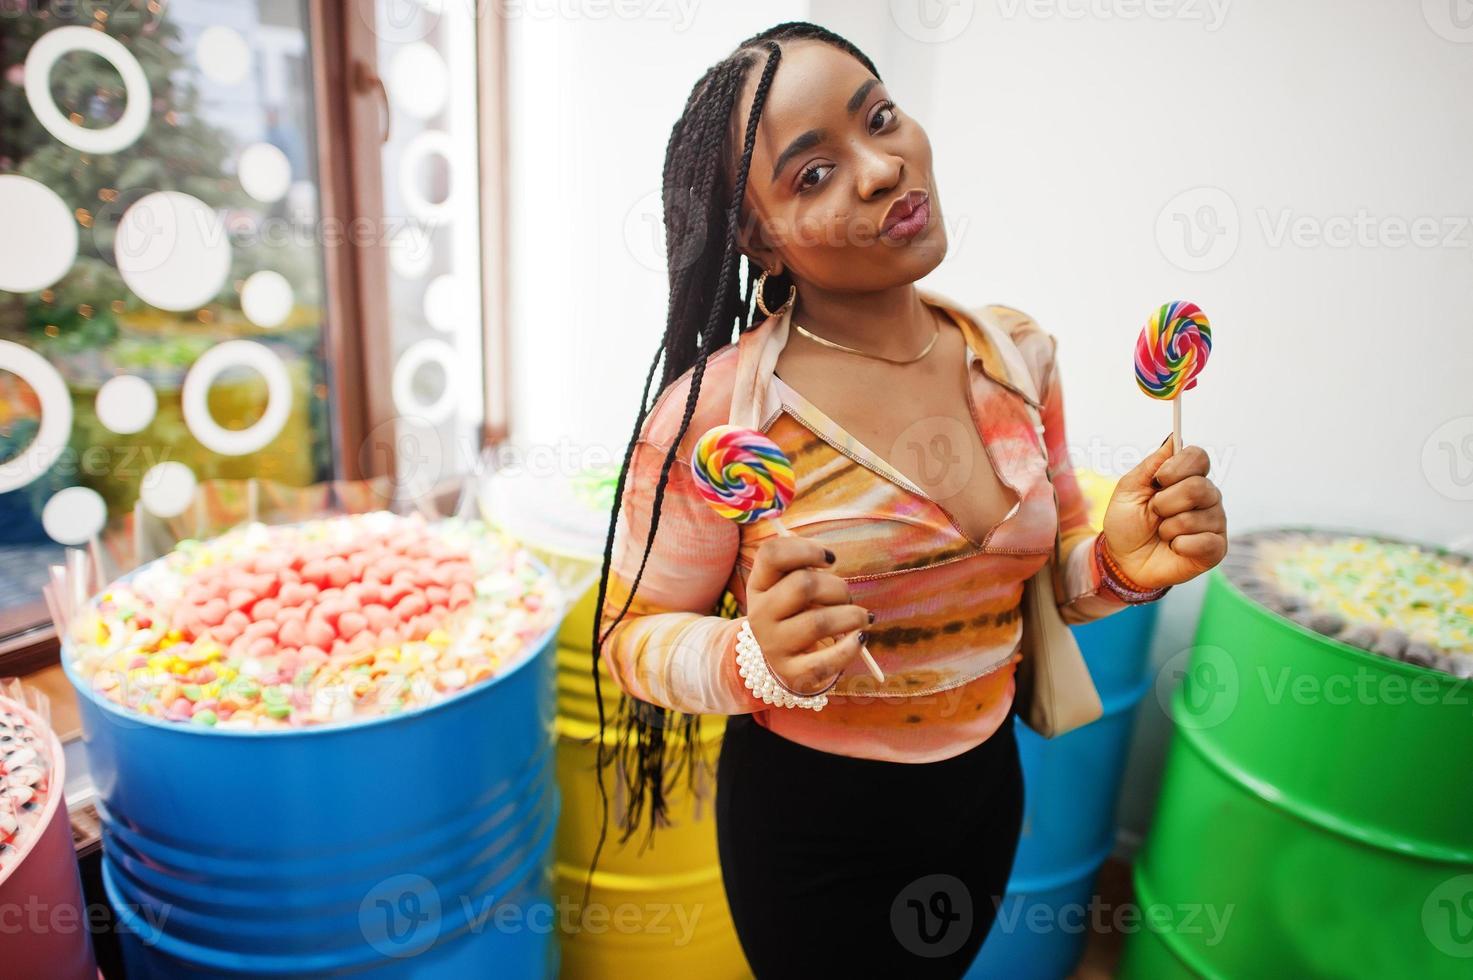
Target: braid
(702, 199)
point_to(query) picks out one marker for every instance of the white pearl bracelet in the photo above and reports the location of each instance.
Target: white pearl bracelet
(761, 681)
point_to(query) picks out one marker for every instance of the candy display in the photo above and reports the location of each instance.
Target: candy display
(332, 620)
(1388, 597)
(742, 474)
(1169, 354)
(25, 783)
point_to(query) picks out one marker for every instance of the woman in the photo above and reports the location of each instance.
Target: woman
(874, 836)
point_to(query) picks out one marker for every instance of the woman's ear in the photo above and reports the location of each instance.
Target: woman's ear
(753, 244)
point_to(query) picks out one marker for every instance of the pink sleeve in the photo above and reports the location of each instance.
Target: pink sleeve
(1083, 596)
(670, 649)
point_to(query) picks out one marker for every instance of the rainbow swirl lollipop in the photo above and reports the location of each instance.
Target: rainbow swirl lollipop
(742, 474)
(1172, 349)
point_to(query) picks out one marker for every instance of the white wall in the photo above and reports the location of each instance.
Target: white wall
(1073, 141)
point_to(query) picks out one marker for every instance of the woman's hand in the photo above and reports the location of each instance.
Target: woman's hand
(1167, 530)
(794, 604)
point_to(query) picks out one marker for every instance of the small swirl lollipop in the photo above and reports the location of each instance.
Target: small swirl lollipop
(1172, 350)
(743, 475)
(746, 477)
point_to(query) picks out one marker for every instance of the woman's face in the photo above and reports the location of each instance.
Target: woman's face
(833, 153)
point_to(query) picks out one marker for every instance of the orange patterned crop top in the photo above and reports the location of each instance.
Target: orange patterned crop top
(947, 608)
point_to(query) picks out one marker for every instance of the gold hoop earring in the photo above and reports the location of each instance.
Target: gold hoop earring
(762, 303)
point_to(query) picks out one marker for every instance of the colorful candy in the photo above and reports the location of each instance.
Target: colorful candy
(1387, 597)
(327, 621)
(742, 474)
(1172, 350)
(25, 782)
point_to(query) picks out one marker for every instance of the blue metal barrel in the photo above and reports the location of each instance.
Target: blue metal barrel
(416, 845)
(1071, 787)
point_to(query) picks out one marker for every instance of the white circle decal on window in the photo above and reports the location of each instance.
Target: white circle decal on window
(167, 489)
(266, 299)
(221, 357)
(64, 40)
(419, 82)
(446, 305)
(431, 142)
(410, 251)
(172, 250)
(126, 404)
(46, 250)
(223, 55)
(56, 416)
(264, 172)
(418, 355)
(74, 516)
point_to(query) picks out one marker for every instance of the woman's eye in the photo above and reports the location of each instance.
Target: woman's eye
(880, 110)
(806, 179)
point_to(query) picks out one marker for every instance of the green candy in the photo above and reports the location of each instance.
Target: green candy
(206, 717)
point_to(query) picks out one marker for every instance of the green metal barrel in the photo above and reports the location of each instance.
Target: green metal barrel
(1316, 814)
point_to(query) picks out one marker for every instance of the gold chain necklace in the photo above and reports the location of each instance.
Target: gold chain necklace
(879, 357)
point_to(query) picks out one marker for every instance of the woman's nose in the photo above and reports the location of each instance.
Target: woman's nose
(878, 172)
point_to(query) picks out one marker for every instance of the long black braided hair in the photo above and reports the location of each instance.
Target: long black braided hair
(702, 194)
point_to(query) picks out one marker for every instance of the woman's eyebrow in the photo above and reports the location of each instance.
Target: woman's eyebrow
(813, 137)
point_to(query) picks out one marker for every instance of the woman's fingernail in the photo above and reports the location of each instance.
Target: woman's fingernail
(871, 617)
(828, 556)
(1155, 483)
(863, 637)
(1165, 441)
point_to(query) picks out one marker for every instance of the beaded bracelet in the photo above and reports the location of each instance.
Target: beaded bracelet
(1116, 580)
(761, 681)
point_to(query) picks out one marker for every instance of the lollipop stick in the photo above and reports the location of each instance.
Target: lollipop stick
(869, 661)
(864, 654)
(1176, 424)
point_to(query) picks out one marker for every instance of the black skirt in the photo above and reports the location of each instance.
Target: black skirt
(836, 866)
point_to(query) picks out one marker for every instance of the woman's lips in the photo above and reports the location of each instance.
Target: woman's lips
(912, 224)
